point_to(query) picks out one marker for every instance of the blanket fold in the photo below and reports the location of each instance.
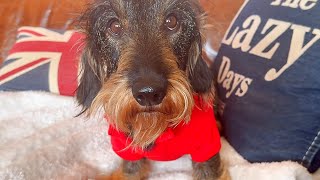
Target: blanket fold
(40, 138)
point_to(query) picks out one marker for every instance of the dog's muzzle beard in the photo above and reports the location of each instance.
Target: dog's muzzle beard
(144, 124)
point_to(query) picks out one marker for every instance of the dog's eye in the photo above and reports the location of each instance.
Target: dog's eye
(115, 27)
(172, 23)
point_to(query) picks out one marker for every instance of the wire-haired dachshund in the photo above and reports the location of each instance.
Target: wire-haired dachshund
(142, 63)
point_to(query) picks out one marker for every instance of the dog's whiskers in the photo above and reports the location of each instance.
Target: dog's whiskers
(156, 45)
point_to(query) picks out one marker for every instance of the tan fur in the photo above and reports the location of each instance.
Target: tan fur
(137, 170)
(144, 124)
(122, 109)
(208, 98)
(225, 175)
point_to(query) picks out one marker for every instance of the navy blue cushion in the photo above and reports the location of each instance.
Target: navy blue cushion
(268, 81)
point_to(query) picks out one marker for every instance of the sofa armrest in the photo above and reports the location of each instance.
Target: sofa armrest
(57, 14)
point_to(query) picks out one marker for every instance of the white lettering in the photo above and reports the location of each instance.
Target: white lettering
(296, 49)
(307, 4)
(291, 3)
(238, 78)
(229, 40)
(224, 68)
(228, 81)
(231, 81)
(279, 28)
(276, 3)
(244, 87)
(243, 38)
(302, 4)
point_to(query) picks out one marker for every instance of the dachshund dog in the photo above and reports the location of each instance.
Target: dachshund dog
(142, 64)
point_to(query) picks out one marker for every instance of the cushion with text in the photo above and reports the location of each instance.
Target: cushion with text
(268, 83)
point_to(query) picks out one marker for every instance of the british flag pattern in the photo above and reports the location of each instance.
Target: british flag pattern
(43, 59)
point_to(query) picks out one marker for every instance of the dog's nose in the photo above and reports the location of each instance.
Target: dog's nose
(149, 95)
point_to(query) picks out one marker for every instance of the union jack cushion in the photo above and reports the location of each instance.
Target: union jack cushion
(43, 59)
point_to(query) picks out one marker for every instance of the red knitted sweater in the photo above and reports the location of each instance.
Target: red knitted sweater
(199, 138)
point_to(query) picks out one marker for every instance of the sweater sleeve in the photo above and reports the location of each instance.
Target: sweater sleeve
(206, 149)
(207, 137)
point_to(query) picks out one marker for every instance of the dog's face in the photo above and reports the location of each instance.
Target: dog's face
(142, 63)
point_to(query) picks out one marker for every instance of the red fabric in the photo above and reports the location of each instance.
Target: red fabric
(199, 138)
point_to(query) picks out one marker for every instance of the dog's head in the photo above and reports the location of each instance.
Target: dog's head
(142, 63)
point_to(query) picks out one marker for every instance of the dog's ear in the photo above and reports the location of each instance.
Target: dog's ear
(90, 83)
(200, 75)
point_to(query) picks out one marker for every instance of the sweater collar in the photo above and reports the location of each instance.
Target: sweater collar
(167, 135)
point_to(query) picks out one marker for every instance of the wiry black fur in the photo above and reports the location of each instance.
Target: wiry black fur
(213, 163)
(89, 84)
(201, 75)
(104, 50)
(143, 21)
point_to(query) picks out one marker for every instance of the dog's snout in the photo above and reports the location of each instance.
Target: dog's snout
(149, 94)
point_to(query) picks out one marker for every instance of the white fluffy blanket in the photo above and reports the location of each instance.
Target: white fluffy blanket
(41, 139)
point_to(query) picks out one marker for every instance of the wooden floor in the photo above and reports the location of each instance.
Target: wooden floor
(60, 13)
